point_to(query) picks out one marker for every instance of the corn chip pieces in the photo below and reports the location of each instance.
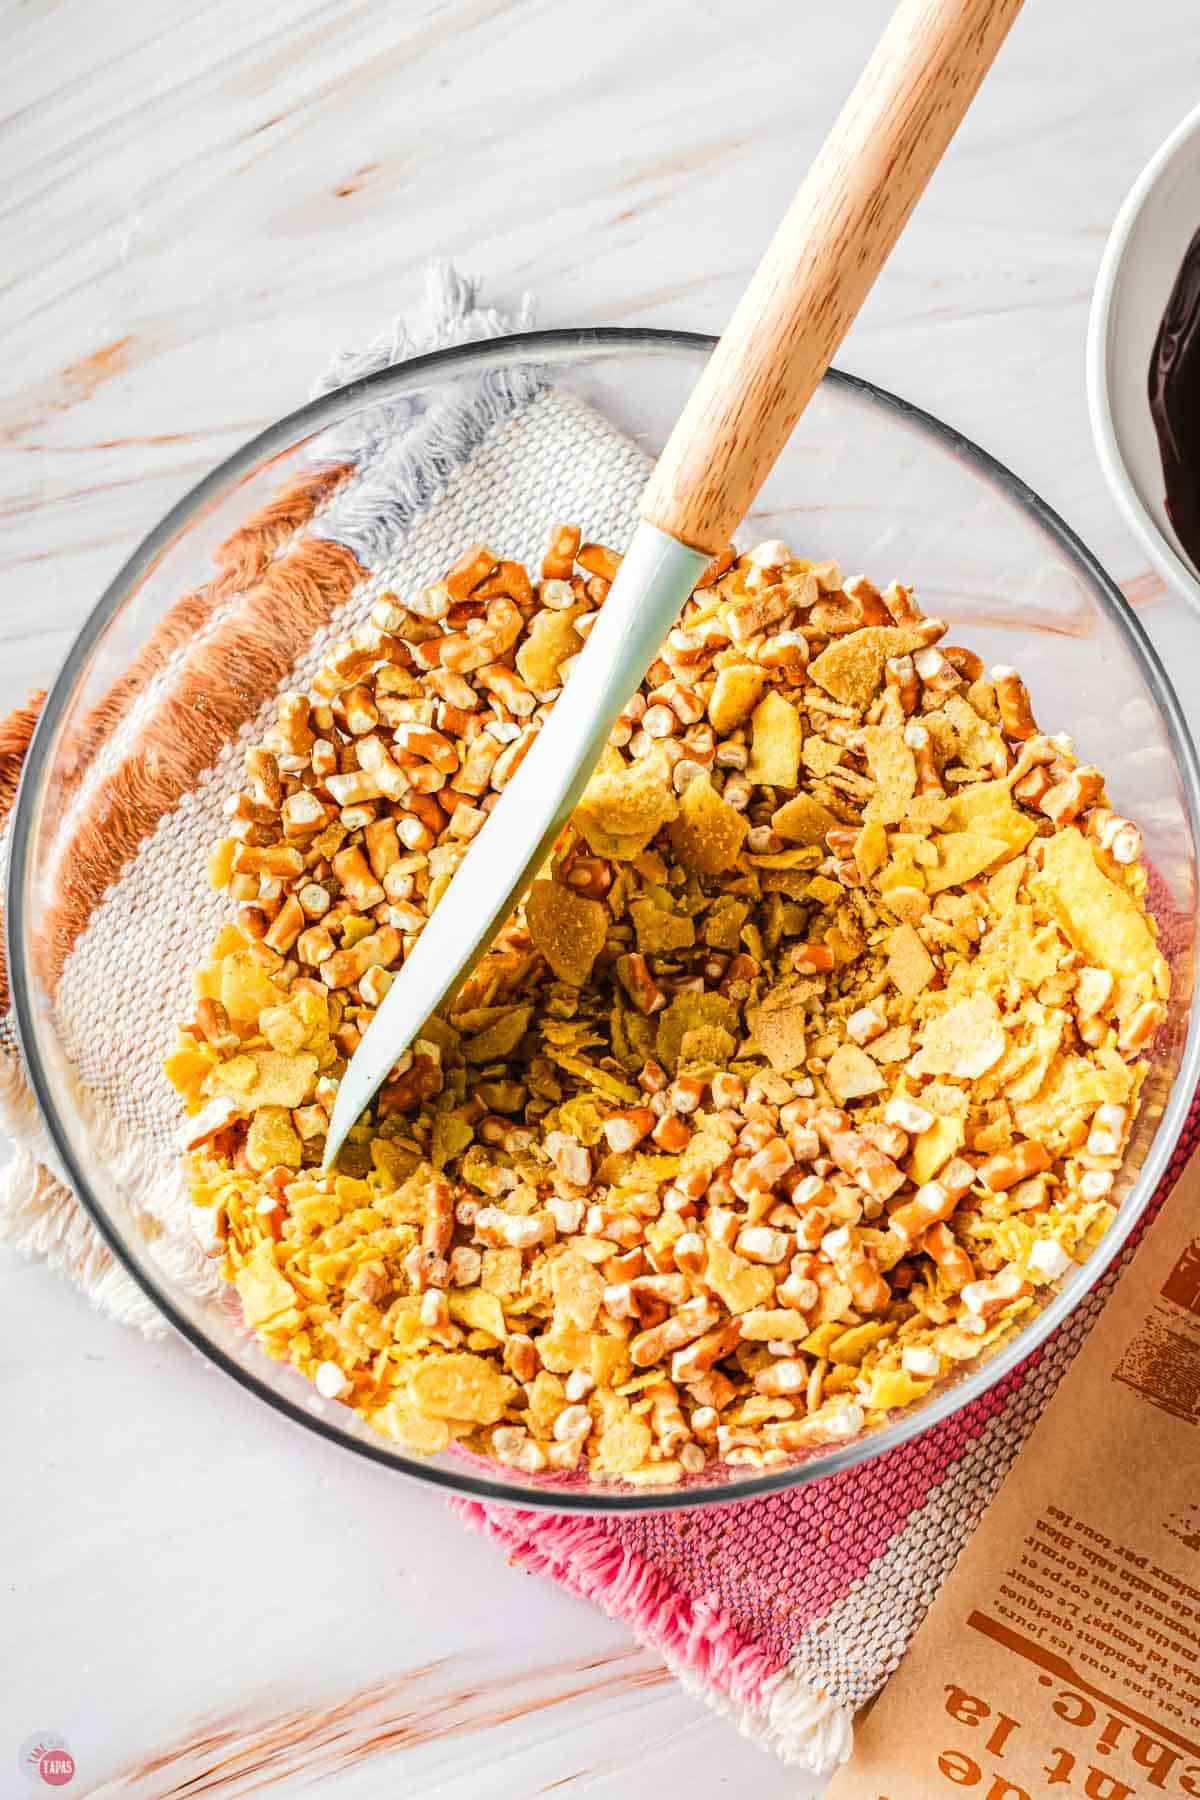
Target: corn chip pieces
(271, 1079)
(851, 667)
(781, 1028)
(659, 929)
(909, 963)
(803, 820)
(567, 928)
(738, 1284)
(708, 833)
(736, 692)
(852, 1074)
(965, 1041)
(894, 772)
(577, 1290)
(551, 639)
(933, 1148)
(454, 1384)
(691, 1012)
(624, 806)
(1100, 917)
(623, 1446)
(775, 742)
(265, 1295)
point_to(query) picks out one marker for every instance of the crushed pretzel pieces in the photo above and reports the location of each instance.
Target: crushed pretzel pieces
(810, 1056)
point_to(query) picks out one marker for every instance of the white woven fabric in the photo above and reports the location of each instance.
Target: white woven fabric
(501, 465)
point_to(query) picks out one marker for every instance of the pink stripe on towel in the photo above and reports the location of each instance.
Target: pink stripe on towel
(591, 1557)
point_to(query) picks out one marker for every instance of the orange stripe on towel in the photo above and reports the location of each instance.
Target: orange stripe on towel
(215, 689)
(222, 682)
(240, 561)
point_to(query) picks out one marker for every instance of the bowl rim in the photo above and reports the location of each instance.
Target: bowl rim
(1164, 557)
(580, 345)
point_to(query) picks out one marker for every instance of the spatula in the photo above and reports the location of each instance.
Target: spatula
(799, 305)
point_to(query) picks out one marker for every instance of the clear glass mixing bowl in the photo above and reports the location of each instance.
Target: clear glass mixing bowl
(867, 479)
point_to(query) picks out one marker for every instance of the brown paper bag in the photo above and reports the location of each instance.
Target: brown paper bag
(1061, 1660)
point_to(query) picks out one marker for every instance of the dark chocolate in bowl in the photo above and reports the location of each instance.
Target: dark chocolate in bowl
(1174, 388)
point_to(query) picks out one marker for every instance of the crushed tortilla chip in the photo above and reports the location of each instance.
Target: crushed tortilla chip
(739, 1284)
(246, 988)
(273, 1141)
(988, 806)
(1101, 918)
(454, 1384)
(870, 850)
(501, 1271)
(265, 1294)
(577, 1289)
(479, 1309)
(762, 1324)
(776, 737)
(722, 929)
(803, 820)
(499, 1038)
(282, 1080)
(412, 1430)
(894, 771)
(624, 1444)
(659, 929)
(892, 1046)
(851, 1346)
(736, 692)
(691, 1012)
(852, 1074)
(978, 742)
(705, 1049)
(909, 963)
(781, 1029)
(961, 856)
(625, 806)
(567, 928)
(820, 757)
(851, 667)
(932, 1149)
(893, 1388)
(552, 638)
(708, 833)
(964, 1041)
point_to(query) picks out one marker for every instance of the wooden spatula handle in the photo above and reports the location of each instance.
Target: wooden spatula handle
(821, 263)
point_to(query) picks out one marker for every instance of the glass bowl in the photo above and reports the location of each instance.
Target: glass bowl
(867, 479)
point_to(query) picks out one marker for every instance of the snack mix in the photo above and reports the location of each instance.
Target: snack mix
(810, 1056)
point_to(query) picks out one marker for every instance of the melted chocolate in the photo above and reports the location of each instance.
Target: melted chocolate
(1175, 401)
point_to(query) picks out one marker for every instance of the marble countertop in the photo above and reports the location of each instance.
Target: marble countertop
(201, 203)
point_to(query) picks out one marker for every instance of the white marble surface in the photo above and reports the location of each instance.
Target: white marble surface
(199, 203)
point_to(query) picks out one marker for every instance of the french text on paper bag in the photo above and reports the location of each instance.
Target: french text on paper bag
(1099, 1674)
(1081, 1612)
(1075, 1733)
(1071, 1588)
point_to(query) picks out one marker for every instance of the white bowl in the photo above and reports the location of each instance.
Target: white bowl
(1137, 271)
